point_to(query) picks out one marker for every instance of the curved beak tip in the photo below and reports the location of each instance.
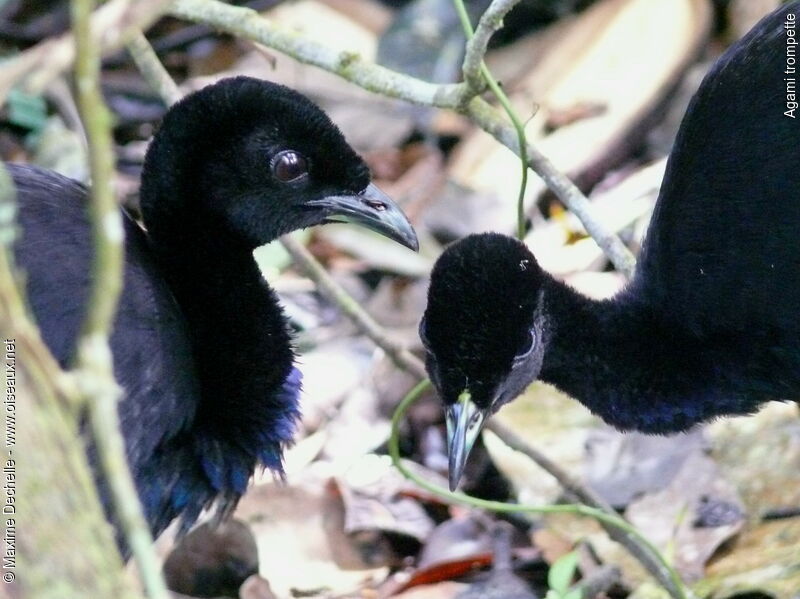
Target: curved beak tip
(412, 242)
(389, 219)
(453, 479)
(374, 210)
(464, 423)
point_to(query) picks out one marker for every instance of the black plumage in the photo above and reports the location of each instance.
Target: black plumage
(201, 346)
(710, 323)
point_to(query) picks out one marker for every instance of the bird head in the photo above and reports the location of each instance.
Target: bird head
(261, 160)
(483, 333)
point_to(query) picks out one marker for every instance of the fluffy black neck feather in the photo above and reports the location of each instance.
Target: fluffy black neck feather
(237, 326)
(636, 371)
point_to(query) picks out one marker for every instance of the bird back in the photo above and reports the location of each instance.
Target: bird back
(723, 247)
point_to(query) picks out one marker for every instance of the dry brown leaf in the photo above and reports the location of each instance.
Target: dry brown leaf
(299, 531)
(696, 513)
(372, 491)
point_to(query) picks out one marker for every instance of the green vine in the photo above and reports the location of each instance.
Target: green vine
(519, 126)
(501, 507)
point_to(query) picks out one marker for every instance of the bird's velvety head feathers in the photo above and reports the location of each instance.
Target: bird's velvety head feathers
(479, 321)
(261, 160)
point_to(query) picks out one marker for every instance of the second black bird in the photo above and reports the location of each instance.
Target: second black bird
(710, 323)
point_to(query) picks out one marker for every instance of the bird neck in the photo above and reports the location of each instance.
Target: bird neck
(242, 352)
(617, 358)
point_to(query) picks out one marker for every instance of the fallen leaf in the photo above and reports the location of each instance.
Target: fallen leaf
(623, 466)
(692, 517)
(372, 491)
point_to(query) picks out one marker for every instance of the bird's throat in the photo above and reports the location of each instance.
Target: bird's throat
(635, 372)
(243, 356)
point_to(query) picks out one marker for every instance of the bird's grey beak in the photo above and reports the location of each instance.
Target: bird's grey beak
(464, 423)
(372, 209)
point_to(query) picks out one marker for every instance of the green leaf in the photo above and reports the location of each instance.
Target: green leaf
(26, 111)
(562, 572)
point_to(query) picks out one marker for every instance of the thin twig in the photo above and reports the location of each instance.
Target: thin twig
(152, 70)
(107, 229)
(180, 38)
(94, 359)
(403, 358)
(599, 582)
(490, 22)
(247, 23)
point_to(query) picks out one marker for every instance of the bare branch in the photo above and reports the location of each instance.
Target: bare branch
(248, 24)
(94, 360)
(152, 70)
(490, 22)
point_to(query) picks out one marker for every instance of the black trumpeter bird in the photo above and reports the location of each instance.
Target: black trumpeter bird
(710, 323)
(201, 346)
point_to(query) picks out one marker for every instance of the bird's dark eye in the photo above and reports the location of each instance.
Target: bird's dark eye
(423, 336)
(526, 349)
(289, 166)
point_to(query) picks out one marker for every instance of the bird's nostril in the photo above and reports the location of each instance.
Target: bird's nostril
(376, 205)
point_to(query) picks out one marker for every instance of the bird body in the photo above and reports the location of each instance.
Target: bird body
(201, 347)
(710, 323)
(150, 341)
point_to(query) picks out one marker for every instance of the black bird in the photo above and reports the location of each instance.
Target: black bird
(709, 324)
(201, 346)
